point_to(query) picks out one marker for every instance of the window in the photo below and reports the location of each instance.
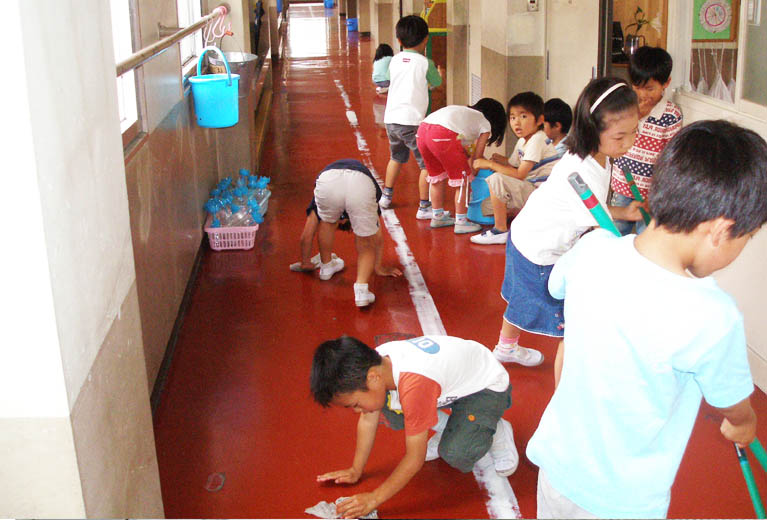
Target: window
(189, 11)
(123, 47)
(727, 60)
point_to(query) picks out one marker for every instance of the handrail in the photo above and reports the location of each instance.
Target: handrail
(149, 52)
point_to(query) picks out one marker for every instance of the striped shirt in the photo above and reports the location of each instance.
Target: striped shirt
(655, 131)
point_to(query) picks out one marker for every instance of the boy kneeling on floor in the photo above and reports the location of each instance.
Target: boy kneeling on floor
(408, 381)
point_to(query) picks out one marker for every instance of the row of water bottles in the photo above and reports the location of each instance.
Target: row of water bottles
(239, 202)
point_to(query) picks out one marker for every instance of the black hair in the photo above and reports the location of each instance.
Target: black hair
(711, 169)
(583, 140)
(650, 63)
(341, 366)
(411, 30)
(530, 101)
(382, 51)
(495, 115)
(556, 110)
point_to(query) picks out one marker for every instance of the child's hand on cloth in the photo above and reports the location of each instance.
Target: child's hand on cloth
(342, 476)
(357, 506)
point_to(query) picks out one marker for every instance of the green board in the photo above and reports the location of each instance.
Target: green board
(713, 20)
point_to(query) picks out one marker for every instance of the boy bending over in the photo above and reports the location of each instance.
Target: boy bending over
(407, 382)
(628, 390)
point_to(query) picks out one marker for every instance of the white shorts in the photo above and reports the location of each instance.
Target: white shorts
(513, 192)
(352, 191)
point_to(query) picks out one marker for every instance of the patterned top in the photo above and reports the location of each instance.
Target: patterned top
(657, 129)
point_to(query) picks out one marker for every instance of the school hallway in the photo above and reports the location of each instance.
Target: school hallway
(237, 433)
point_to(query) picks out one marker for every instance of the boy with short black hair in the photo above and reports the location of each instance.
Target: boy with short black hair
(411, 75)
(407, 382)
(533, 157)
(628, 389)
(659, 121)
(557, 119)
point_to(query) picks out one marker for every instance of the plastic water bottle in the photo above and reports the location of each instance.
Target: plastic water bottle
(240, 196)
(262, 193)
(218, 211)
(244, 178)
(241, 216)
(255, 212)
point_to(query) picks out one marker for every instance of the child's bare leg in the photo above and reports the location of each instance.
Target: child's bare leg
(325, 236)
(510, 331)
(366, 260)
(461, 208)
(499, 213)
(423, 186)
(366, 256)
(437, 193)
(392, 172)
(307, 238)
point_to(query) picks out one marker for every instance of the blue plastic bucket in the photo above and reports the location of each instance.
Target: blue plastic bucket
(351, 24)
(329, 4)
(215, 95)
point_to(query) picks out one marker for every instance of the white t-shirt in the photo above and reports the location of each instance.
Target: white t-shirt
(408, 97)
(554, 216)
(464, 121)
(535, 149)
(461, 367)
(613, 435)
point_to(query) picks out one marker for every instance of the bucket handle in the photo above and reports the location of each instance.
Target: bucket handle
(223, 58)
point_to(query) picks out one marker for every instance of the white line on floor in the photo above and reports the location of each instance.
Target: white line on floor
(501, 502)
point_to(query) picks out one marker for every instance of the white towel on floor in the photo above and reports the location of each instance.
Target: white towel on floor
(327, 510)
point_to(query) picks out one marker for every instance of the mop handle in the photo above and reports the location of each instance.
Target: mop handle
(592, 204)
(759, 453)
(635, 192)
(750, 482)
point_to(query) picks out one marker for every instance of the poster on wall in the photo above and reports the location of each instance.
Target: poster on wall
(715, 20)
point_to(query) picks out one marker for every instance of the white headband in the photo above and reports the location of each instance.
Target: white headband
(604, 95)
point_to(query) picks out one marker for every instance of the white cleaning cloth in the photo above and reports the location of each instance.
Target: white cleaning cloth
(327, 510)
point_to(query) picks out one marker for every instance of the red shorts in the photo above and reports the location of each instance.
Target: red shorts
(443, 155)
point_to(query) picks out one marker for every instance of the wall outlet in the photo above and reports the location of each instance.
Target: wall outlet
(532, 5)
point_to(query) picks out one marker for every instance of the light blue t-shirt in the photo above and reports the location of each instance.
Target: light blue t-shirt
(614, 433)
(381, 69)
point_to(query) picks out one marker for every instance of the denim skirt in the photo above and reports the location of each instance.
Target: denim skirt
(530, 306)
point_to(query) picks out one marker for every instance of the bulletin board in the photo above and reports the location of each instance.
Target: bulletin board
(715, 20)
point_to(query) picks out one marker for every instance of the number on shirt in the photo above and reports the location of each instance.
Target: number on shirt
(425, 344)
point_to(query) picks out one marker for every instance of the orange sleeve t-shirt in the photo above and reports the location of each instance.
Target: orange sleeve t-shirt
(418, 397)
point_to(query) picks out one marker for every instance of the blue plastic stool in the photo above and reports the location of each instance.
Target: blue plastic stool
(479, 192)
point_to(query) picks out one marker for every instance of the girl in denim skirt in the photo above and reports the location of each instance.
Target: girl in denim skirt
(554, 216)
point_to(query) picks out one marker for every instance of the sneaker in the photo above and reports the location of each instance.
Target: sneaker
(466, 227)
(362, 295)
(382, 90)
(443, 221)
(384, 201)
(315, 260)
(524, 356)
(488, 237)
(328, 270)
(432, 447)
(424, 213)
(503, 451)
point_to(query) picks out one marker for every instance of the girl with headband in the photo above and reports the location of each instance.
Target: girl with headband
(554, 217)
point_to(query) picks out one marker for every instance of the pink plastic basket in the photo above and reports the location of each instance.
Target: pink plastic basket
(222, 238)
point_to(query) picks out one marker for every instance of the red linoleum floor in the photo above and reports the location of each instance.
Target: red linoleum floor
(236, 401)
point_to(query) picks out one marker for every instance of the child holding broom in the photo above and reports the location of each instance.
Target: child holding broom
(610, 442)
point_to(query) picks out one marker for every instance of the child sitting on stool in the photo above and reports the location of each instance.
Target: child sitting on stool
(510, 185)
(407, 382)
